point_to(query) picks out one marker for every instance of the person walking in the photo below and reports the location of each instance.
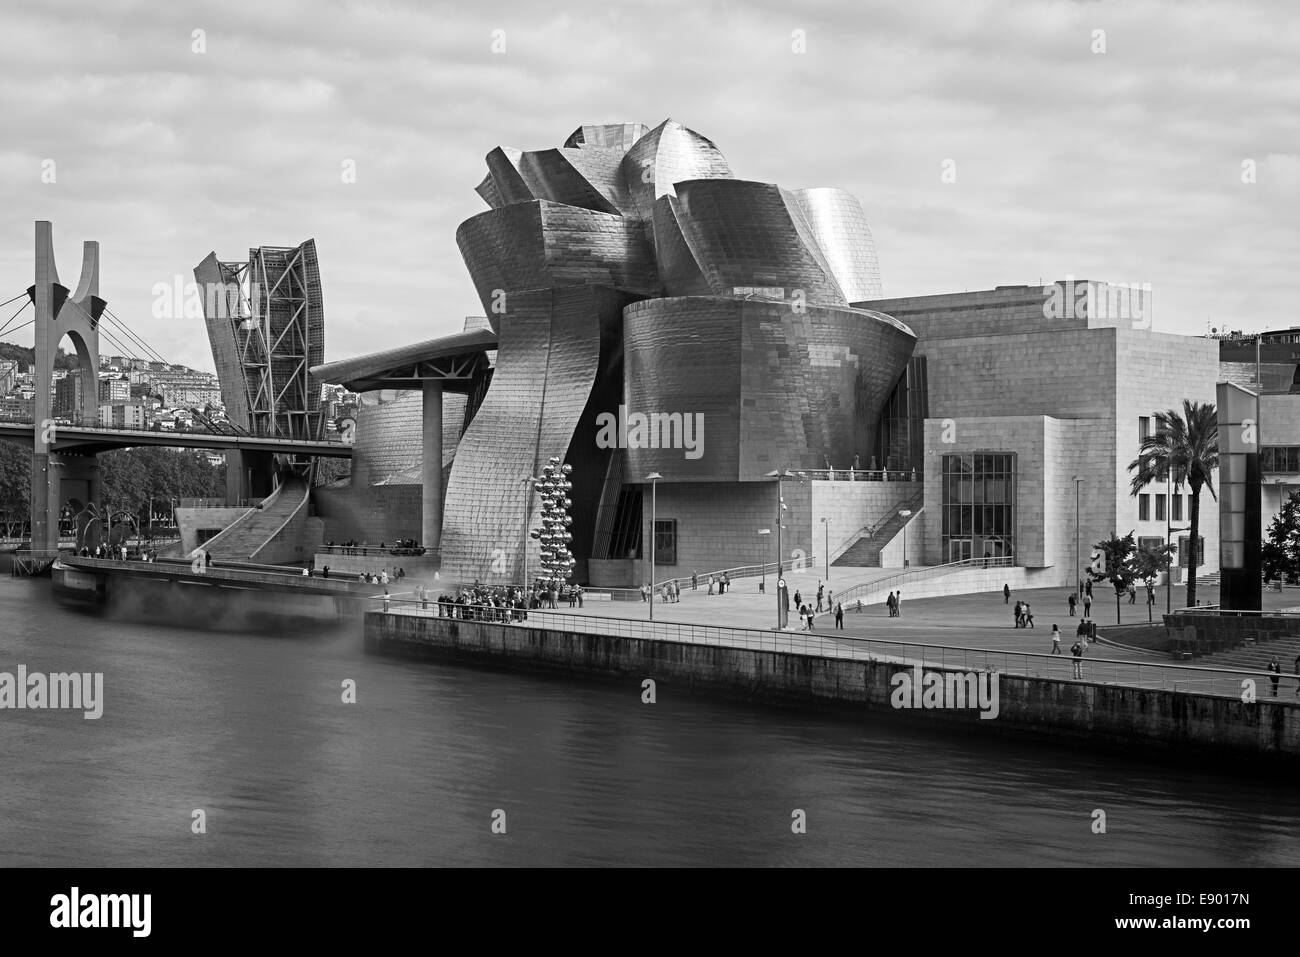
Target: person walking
(1056, 640)
(710, 584)
(1276, 670)
(386, 599)
(839, 623)
(578, 589)
(1087, 604)
(898, 603)
(889, 603)
(1076, 650)
(1074, 603)
(726, 581)
(821, 591)
(1029, 616)
(1006, 594)
(695, 581)
(798, 601)
(1132, 593)
(1018, 612)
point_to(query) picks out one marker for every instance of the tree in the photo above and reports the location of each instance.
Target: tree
(1118, 566)
(1281, 552)
(1185, 446)
(15, 486)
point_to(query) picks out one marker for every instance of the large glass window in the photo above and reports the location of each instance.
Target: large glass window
(1178, 507)
(1280, 458)
(1144, 508)
(1183, 541)
(978, 509)
(666, 541)
(1160, 508)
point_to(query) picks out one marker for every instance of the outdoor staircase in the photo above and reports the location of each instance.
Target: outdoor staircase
(241, 540)
(1256, 656)
(865, 552)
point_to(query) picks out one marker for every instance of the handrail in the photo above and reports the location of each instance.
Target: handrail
(306, 498)
(859, 475)
(920, 574)
(216, 539)
(1195, 679)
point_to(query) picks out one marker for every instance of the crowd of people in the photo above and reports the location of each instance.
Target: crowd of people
(121, 553)
(479, 602)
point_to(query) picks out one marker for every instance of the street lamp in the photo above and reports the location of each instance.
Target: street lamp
(653, 478)
(762, 565)
(780, 507)
(527, 483)
(1078, 580)
(827, 523)
(906, 513)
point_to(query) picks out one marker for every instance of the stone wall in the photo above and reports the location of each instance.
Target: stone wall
(1072, 712)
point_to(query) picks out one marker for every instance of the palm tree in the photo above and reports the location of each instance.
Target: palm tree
(1187, 444)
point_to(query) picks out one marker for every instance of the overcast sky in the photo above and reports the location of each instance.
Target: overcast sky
(1124, 165)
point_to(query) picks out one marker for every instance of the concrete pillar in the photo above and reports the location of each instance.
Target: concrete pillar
(431, 497)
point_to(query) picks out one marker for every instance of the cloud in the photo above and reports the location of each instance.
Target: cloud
(1124, 165)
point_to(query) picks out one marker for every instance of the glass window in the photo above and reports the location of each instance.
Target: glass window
(666, 541)
(1144, 427)
(1160, 508)
(1144, 508)
(1177, 501)
(978, 502)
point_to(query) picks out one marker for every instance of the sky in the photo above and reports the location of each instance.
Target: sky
(1145, 142)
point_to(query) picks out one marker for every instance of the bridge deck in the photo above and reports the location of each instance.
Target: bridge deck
(70, 437)
(263, 578)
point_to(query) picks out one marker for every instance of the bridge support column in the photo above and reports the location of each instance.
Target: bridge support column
(431, 496)
(249, 475)
(74, 480)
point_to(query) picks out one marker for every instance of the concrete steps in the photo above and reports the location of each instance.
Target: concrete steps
(865, 552)
(241, 540)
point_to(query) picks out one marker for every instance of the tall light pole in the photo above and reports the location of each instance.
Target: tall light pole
(827, 523)
(653, 478)
(906, 513)
(780, 507)
(762, 566)
(527, 483)
(1078, 580)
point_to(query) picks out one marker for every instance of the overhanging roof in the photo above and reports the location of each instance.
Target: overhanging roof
(451, 360)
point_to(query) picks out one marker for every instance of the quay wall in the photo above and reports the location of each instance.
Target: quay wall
(1138, 720)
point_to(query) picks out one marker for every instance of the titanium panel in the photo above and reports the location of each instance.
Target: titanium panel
(618, 136)
(839, 227)
(667, 155)
(744, 236)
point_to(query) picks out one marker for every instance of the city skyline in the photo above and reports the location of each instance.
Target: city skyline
(1123, 166)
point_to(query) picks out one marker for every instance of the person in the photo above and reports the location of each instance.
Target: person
(810, 616)
(383, 577)
(898, 603)
(695, 581)
(798, 601)
(642, 590)
(1132, 593)
(1087, 590)
(1056, 640)
(1076, 650)
(821, 591)
(1276, 670)
(889, 603)
(305, 572)
(424, 597)
(839, 623)
(1074, 602)
(829, 599)
(726, 581)
(1029, 616)
(803, 617)
(710, 584)
(207, 559)
(1006, 594)
(579, 590)
(1019, 614)
(325, 572)
(1087, 604)
(385, 599)
(1151, 592)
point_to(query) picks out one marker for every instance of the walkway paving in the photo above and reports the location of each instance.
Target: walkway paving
(968, 631)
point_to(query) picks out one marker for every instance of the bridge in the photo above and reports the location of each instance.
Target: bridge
(273, 339)
(82, 440)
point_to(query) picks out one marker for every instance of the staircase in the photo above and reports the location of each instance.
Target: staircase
(1255, 657)
(865, 552)
(241, 540)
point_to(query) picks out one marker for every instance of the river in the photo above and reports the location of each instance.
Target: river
(251, 729)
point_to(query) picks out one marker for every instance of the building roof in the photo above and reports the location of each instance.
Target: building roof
(449, 359)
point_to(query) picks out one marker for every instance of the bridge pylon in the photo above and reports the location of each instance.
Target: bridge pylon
(60, 478)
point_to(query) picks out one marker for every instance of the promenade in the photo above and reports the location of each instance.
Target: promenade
(970, 632)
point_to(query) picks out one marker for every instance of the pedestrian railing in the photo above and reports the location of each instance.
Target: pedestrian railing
(1180, 678)
(875, 591)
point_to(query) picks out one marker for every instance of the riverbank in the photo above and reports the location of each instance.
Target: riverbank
(1038, 697)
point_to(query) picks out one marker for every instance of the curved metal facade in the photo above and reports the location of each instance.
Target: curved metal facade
(839, 228)
(771, 387)
(628, 272)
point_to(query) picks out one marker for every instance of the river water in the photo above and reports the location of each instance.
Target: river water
(251, 729)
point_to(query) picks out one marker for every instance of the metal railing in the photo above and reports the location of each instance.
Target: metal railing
(372, 551)
(873, 590)
(859, 475)
(1179, 678)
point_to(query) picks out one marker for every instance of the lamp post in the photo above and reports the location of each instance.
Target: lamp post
(1078, 581)
(653, 478)
(780, 507)
(762, 565)
(906, 513)
(826, 522)
(527, 483)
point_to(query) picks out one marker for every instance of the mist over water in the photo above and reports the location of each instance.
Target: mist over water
(250, 727)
